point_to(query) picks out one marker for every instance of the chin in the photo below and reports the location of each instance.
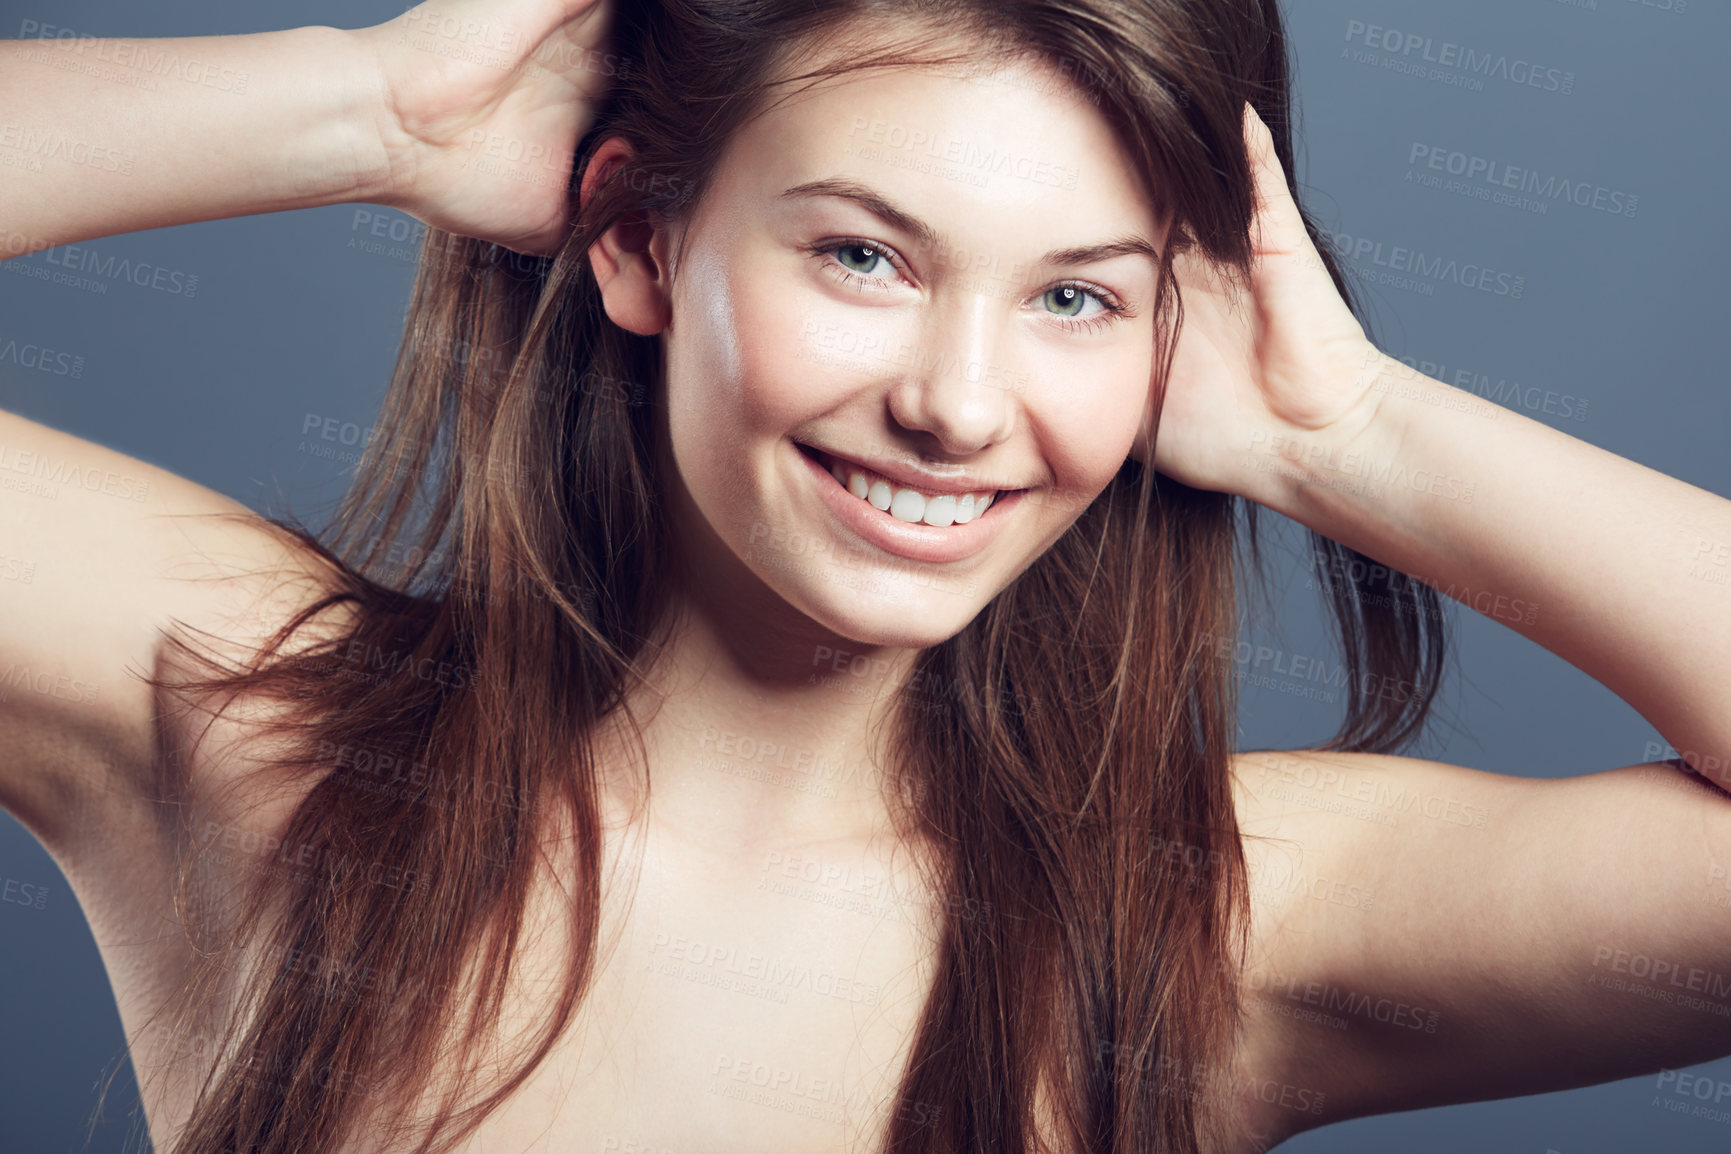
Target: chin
(873, 608)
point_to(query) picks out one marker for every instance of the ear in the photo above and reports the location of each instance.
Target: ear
(630, 259)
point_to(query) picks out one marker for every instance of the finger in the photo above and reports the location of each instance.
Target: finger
(1278, 228)
(588, 20)
(525, 23)
(574, 46)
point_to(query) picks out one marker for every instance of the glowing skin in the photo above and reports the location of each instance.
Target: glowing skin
(809, 318)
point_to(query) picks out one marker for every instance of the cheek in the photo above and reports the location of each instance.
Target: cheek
(1090, 411)
(835, 346)
(742, 374)
(751, 348)
(727, 382)
(703, 342)
(703, 365)
(781, 381)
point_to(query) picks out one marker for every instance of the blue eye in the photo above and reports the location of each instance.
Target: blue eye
(868, 255)
(853, 260)
(1070, 298)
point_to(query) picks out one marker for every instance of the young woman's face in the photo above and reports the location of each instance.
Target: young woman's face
(925, 289)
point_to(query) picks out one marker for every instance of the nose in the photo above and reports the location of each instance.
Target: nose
(954, 389)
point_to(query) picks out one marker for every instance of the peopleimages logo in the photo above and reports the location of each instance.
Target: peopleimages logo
(139, 63)
(47, 144)
(1457, 64)
(1494, 176)
(40, 358)
(972, 158)
(84, 259)
(1502, 391)
(49, 472)
(1414, 269)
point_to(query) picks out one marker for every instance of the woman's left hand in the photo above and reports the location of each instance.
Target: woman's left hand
(1291, 359)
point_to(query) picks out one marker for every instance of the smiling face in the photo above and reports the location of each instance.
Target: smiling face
(904, 292)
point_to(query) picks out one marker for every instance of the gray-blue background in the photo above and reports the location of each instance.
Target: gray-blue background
(297, 315)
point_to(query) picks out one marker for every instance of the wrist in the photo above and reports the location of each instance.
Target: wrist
(349, 138)
(1284, 461)
(1382, 457)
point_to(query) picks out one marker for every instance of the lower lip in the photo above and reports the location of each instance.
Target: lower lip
(933, 543)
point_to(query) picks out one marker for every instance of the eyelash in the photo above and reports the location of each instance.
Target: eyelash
(1111, 308)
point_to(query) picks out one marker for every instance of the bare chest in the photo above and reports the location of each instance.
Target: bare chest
(744, 1000)
(765, 1001)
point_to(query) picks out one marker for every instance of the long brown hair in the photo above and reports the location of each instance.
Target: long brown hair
(504, 565)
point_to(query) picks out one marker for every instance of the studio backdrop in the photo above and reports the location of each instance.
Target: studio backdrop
(1530, 195)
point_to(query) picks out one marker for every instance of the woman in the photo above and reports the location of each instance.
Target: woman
(779, 447)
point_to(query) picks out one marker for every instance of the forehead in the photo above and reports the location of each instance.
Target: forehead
(1012, 154)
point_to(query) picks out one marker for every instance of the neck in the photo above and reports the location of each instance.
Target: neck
(761, 727)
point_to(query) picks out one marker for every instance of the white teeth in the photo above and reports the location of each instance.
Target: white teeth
(908, 505)
(911, 505)
(940, 510)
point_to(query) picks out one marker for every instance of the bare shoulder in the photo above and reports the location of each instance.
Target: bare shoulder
(224, 580)
(113, 559)
(104, 558)
(1425, 933)
(100, 564)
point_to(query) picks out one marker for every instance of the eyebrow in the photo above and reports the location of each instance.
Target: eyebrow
(875, 203)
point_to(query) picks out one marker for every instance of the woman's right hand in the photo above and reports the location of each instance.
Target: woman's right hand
(484, 102)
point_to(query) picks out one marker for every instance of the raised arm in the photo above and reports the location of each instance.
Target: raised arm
(98, 550)
(1617, 568)
(1576, 932)
(119, 135)
(1505, 934)
(126, 135)
(1523, 933)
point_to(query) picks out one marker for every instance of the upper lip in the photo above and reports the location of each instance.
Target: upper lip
(914, 476)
